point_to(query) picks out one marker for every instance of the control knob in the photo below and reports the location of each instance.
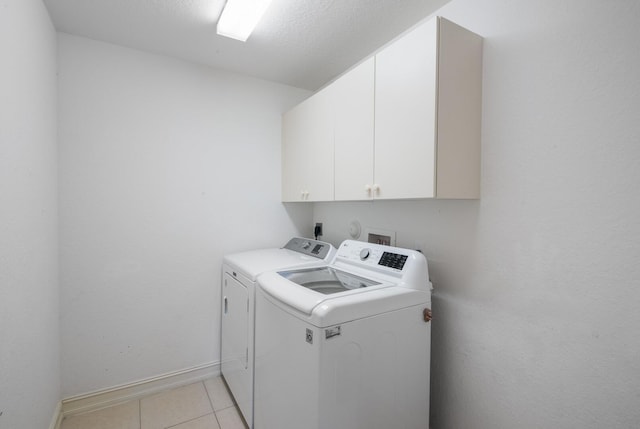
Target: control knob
(364, 254)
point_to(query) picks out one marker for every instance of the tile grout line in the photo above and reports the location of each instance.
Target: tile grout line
(190, 420)
(233, 405)
(226, 408)
(163, 423)
(215, 415)
(197, 417)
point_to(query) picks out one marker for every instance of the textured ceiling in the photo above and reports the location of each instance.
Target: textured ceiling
(303, 43)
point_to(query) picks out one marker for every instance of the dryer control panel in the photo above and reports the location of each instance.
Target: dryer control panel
(309, 247)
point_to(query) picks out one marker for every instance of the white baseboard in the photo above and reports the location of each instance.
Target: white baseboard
(118, 394)
(56, 420)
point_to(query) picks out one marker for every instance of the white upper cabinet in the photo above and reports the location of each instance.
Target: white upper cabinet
(307, 150)
(428, 96)
(403, 124)
(405, 119)
(328, 139)
(354, 133)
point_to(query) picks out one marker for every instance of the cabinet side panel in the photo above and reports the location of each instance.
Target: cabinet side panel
(405, 99)
(459, 112)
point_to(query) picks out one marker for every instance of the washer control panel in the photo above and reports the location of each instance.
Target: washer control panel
(369, 254)
(393, 260)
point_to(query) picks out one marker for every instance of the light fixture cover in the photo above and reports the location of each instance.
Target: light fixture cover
(240, 17)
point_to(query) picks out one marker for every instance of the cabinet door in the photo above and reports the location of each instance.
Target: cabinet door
(235, 341)
(405, 115)
(307, 150)
(235, 324)
(354, 133)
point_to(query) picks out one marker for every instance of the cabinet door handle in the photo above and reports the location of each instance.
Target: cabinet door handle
(226, 305)
(376, 188)
(367, 189)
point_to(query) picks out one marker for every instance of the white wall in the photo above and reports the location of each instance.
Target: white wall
(29, 334)
(536, 320)
(164, 167)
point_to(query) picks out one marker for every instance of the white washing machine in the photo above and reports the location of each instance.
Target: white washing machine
(347, 345)
(239, 272)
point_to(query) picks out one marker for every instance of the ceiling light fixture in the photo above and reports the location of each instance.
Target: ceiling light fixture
(240, 17)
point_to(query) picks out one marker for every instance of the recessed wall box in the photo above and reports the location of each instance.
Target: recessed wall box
(380, 236)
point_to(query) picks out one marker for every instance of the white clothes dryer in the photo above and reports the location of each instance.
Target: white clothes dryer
(346, 345)
(239, 273)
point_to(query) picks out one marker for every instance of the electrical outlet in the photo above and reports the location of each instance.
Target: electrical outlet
(317, 231)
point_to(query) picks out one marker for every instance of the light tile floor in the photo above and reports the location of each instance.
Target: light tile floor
(202, 405)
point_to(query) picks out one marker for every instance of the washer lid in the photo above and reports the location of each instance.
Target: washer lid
(327, 280)
(324, 310)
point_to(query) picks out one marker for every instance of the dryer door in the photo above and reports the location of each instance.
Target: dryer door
(235, 342)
